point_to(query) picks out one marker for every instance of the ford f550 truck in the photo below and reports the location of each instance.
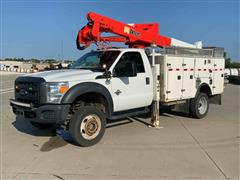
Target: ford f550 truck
(112, 83)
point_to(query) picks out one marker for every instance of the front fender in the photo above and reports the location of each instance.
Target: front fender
(87, 87)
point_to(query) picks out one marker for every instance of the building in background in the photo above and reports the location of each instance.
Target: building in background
(16, 64)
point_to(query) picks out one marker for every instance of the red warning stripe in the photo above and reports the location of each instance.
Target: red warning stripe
(192, 69)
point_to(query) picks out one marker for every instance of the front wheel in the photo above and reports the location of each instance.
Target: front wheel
(199, 106)
(87, 126)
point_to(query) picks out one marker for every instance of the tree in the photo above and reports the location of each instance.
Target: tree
(228, 63)
(50, 61)
(35, 60)
(235, 65)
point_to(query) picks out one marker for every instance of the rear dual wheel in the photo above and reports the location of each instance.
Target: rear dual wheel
(199, 106)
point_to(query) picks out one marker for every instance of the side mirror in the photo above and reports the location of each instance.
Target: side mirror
(107, 74)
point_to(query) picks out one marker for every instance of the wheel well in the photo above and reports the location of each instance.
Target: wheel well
(92, 98)
(205, 89)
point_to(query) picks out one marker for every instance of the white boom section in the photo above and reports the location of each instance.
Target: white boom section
(179, 43)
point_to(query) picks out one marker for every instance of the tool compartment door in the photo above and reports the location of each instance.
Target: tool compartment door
(203, 67)
(218, 76)
(188, 83)
(174, 78)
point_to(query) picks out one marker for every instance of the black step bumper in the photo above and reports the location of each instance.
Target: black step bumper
(51, 113)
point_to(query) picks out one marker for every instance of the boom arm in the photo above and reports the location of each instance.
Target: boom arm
(133, 35)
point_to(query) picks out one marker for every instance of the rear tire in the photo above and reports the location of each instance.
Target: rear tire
(87, 126)
(199, 106)
(41, 125)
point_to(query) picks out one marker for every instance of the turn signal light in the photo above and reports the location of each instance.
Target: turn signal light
(63, 89)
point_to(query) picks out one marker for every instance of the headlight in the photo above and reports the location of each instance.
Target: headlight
(55, 91)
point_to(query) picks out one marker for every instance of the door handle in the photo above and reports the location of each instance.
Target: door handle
(147, 81)
(118, 92)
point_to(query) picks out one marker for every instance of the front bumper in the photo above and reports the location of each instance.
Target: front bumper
(50, 113)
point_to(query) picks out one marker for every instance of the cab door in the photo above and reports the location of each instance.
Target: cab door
(128, 91)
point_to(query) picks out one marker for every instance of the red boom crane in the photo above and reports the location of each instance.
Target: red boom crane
(133, 35)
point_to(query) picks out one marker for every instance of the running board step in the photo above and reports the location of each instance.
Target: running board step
(124, 114)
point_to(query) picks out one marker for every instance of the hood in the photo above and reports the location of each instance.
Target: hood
(66, 75)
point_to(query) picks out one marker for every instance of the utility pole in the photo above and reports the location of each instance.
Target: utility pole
(62, 51)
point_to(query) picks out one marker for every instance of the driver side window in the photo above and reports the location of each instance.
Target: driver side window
(123, 68)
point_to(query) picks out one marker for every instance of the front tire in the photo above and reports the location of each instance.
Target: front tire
(199, 106)
(87, 126)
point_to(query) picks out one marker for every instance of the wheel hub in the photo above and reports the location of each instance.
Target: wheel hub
(202, 105)
(90, 126)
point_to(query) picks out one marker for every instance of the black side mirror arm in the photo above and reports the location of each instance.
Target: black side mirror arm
(107, 74)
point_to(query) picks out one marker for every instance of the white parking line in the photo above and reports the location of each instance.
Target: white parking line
(1, 90)
(6, 81)
(6, 92)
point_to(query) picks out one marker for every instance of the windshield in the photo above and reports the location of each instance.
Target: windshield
(95, 59)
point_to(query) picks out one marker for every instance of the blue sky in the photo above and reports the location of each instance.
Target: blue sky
(37, 29)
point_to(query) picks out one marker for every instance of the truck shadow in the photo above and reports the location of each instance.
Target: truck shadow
(25, 127)
(178, 113)
(63, 138)
(145, 119)
(118, 122)
(55, 141)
